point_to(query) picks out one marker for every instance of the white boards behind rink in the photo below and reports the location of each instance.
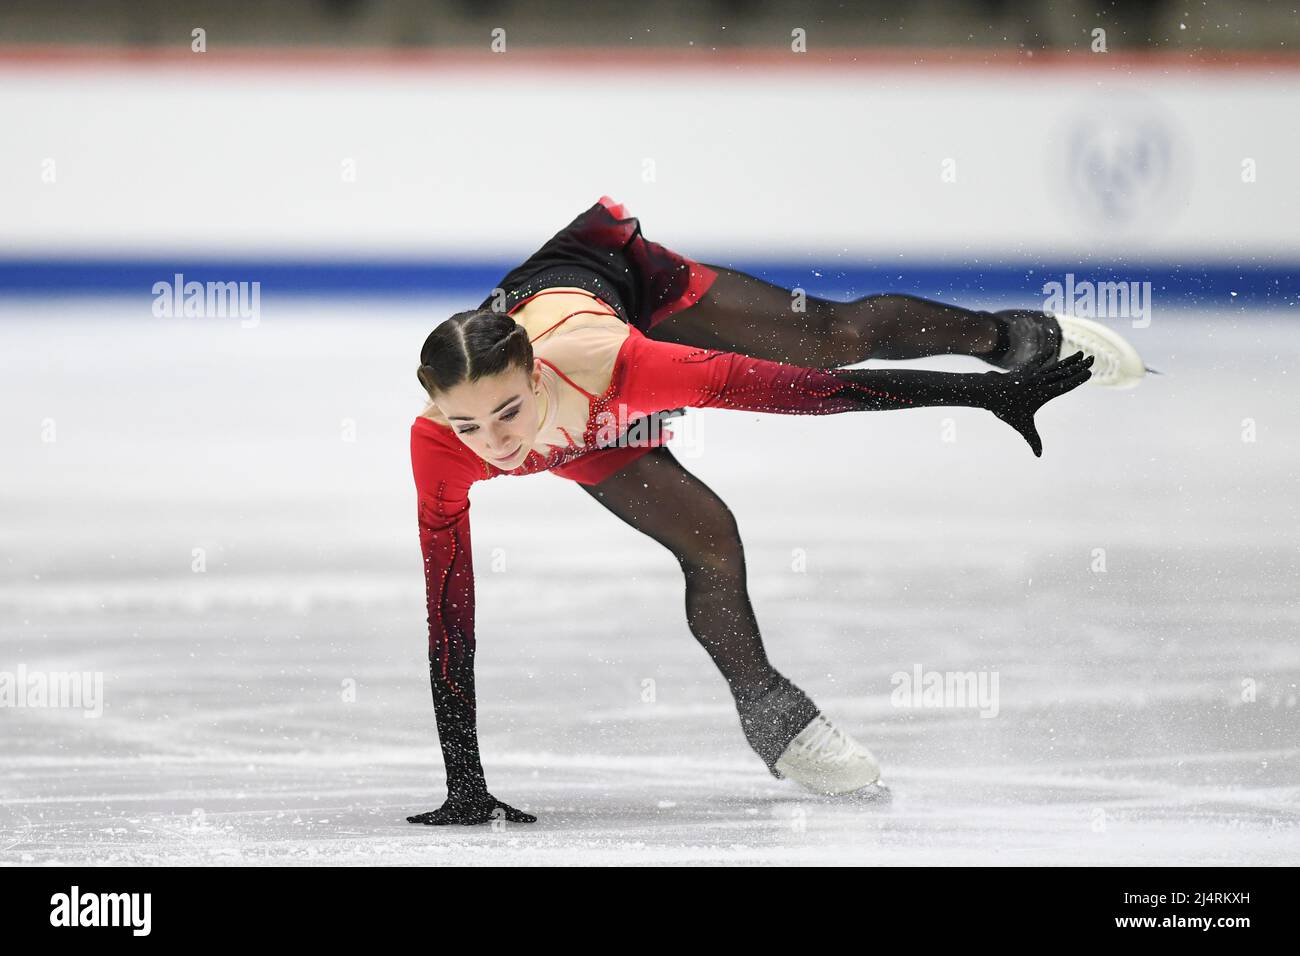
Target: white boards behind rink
(763, 155)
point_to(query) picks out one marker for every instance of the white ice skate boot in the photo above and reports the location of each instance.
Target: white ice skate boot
(825, 759)
(1035, 336)
(1116, 365)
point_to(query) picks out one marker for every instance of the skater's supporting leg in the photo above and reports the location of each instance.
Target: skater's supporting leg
(741, 313)
(661, 499)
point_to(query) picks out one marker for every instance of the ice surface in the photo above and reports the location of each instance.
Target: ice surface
(1126, 730)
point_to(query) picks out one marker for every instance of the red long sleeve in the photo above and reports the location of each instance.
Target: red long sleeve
(444, 470)
(660, 375)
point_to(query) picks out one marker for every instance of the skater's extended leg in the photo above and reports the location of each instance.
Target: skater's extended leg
(741, 313)
(660, 498)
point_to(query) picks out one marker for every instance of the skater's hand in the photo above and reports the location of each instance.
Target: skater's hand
(471, 808)
(1015, 396)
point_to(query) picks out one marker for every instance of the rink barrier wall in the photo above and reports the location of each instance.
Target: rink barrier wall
(246, 144)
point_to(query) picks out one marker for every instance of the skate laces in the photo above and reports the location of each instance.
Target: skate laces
(828, 743)
(1106, 361)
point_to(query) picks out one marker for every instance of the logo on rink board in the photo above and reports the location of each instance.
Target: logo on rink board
(1123, 164)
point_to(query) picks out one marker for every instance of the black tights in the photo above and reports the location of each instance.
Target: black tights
(659, 497)
(741, 313)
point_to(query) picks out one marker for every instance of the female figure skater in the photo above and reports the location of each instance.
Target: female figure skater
(599, 332)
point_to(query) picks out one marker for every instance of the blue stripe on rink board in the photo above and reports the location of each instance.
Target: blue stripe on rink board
(1189, 284)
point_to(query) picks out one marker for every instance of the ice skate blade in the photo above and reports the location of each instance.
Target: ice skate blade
(873, 794)
(876, 793)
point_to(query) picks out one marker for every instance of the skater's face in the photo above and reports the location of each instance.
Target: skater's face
(498, 416)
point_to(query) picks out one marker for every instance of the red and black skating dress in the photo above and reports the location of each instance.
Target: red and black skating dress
(632, 284)
(648, 377)
(602, 254)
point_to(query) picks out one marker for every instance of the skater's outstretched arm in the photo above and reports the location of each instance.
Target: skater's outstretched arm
(443, 477)
(664, 375)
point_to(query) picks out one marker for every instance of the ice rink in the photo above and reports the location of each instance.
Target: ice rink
(221, 521)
